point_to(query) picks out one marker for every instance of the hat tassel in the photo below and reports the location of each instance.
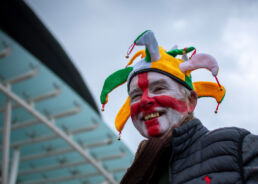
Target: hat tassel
(130, 49)
(119, 136)
(194, 52)
(103, 107)
(216, 111)
(218, 83)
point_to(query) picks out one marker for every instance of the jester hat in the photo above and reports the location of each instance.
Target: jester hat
(155, 58)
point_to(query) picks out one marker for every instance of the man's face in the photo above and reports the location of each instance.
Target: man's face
(157, 103)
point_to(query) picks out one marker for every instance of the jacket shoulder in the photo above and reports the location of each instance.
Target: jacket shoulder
(234, 134)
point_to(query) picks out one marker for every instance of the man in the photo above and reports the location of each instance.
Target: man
(159, 103)
(179, 149)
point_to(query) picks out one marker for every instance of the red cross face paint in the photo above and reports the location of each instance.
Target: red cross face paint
(157, 103)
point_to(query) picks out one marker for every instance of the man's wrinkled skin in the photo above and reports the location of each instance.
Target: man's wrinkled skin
(158, 103)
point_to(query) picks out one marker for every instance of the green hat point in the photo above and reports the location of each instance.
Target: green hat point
(140, 36)
(114, 80)
(176, 52)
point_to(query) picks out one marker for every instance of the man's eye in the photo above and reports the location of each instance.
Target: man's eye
(158, 89)
(135, 97)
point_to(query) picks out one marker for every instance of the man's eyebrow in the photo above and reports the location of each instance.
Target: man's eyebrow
(134, 91)
(157, 82)
(154, 83)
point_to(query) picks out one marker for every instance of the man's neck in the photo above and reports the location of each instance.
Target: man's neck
(187, 119)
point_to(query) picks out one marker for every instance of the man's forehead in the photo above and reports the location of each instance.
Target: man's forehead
(151, 78)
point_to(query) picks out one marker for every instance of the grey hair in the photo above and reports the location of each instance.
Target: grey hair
(186, 92)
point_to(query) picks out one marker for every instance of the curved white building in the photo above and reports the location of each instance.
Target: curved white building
(51, 130)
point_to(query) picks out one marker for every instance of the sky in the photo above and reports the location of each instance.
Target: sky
(96, 34)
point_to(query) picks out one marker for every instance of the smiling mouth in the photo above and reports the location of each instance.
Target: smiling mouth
(152, 115)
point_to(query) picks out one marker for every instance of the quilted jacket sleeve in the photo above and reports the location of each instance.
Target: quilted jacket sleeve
(250, 158)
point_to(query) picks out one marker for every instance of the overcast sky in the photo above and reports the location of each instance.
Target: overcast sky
(96, 35)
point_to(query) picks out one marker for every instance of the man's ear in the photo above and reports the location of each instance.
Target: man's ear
(192, 101)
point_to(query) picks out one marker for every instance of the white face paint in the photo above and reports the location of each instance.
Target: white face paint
(157, 103)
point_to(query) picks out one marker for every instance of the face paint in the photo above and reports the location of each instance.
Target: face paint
(143, 81)
(151, 126)
(160, 101)
(151, 110)
(155, 110)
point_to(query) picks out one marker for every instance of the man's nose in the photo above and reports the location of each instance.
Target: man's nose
(146, 100)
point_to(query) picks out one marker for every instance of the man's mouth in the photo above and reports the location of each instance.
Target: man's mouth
(152, 116)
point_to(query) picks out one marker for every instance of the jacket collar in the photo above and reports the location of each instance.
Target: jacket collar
(187, 134)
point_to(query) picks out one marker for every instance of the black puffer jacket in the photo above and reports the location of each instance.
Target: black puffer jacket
(222, 156)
